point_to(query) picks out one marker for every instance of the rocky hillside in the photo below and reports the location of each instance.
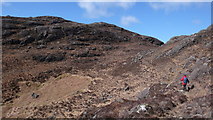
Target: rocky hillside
(100, 70)
(32, 48)
(164, 96)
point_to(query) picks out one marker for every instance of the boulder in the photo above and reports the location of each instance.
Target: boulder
(143, 94)
(7, 33)
(80, 43)
(41, 46)
(33, 23)
(49, 57)
(27, 40)
(24, 33)
(51, 37)
(12, 26)
(34, 95)
(54, 57)
(87, 54)
(153, 41)
(41, 29)
(167, 105)
(11, 42)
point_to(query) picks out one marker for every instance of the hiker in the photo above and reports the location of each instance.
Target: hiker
(184, 80)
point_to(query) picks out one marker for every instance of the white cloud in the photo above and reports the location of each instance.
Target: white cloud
(169, 6)
(102, 9)
(95, 10)
(128, 20)
(125, 5)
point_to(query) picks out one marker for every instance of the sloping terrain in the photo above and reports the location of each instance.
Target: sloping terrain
(189, 55)
(36, 49)
(100, 70)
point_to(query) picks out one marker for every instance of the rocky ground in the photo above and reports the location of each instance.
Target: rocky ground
(100, 70)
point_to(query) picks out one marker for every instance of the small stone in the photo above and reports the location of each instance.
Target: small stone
(126, 88)
(34, 95)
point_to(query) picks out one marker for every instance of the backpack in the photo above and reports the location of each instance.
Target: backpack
(185, 80)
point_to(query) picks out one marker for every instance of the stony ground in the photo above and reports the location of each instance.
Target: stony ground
(100, 70)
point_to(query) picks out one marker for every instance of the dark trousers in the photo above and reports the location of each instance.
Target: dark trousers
(184, 87)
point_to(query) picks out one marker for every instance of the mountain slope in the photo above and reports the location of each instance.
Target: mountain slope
(189, 55)
(121, 74)
(39, 48)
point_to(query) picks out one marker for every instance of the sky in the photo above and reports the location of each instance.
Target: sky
(161, 20)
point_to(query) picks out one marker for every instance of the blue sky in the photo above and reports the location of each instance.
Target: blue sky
(160, 20)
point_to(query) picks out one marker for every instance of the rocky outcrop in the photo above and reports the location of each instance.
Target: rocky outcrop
(158, 100)
(49, 57)
(181, 43)
(197, 108)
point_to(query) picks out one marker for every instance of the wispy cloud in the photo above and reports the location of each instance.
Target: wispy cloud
(95, 10)
(102, 9)
(196, 22)
(4, 3)
(169, 6)
(124, 4)
(174, 5)
(128, 20)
